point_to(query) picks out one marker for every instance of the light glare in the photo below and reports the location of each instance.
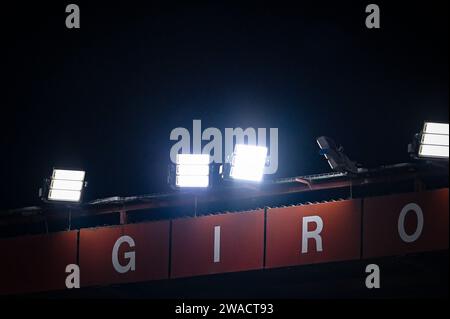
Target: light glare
(248, 162)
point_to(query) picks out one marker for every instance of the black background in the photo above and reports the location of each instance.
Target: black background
(105, 97)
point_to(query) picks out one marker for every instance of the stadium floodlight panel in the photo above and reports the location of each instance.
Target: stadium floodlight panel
(66, 185)
(70, 175)
(192, 181)
(248, 162)
(436, 151)
(434, 141)
(193, 159)
(64, 195)
(63, 184)
(192, 170)
(435, 128)
(324, 144)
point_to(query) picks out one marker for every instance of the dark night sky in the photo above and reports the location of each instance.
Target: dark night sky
(105, 97)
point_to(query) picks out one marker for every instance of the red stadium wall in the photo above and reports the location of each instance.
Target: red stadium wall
(145, 245)
(240, 242)
(274, 237)
(315, 233)
(36, 263)
(405, 223)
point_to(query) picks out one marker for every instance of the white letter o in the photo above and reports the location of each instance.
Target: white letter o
(401, 223)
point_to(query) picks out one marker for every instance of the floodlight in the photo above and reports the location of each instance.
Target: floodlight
(192, 170)
(248, 162)
(65, 185)
(434, 139)
(335, 156)
(435, 128)
(432, 142)
(433, 151)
